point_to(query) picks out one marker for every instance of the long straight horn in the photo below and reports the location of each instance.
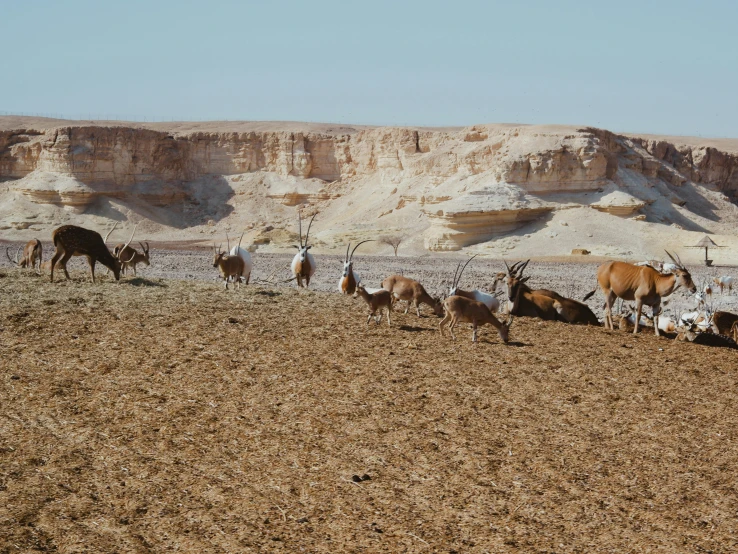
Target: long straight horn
(228, 243)
(672, 257)
(308, 231)
(299, 227)
(347, 253)
(466, 264)
(522, 267)
(507, 266)
(110, 232)
(355, 247)
(681, 265)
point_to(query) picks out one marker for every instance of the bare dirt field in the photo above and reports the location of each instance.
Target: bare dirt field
(170, 415)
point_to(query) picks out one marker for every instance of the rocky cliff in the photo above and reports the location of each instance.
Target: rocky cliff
(446, 189)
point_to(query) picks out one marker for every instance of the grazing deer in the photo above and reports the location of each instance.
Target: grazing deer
(643, 284)
(71, 240)
(487, 299)
(32, 254)
(244, 254)
(411, 292)
(725, 281)
(722, 322)
(303, 264)
(377, 302)
(229, 266)
(349, 278)
(465, 310)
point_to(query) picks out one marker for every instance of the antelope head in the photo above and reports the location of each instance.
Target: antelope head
(457, 280)
(682, 276)
(145, 259)
(217, 255)
(515, 279)
(348, 263)
(303, 248)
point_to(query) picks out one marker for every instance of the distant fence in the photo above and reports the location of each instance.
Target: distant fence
(109, 117)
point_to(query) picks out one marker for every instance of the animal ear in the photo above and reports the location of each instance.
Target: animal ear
(295, 246)
(524, 279)
(308, 247)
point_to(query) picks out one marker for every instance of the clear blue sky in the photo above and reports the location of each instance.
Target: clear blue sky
(647, 66)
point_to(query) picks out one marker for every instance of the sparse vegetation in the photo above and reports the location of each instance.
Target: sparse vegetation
(392, 240)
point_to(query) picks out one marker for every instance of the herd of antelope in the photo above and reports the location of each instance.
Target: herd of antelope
(645, 283)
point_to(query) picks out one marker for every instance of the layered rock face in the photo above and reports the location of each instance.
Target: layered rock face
(452, 187)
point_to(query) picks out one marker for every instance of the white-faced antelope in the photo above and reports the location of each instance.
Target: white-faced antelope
(724, 282)
(303, 264)
(32, 255)
(244, 254)
(349, 278)
(487, 299)
(229, 266)
(643, 284)
(377, 302)
(71, 240)
(411, 292)
(460, 309)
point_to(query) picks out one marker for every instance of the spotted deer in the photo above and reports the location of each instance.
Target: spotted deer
(71, 240)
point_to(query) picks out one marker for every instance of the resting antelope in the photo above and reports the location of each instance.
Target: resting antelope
(377, 301)
(722, 322)
(411, 292)
(349, 278)
(229, 266)
(644, 284)
(487, 299)
(693, 334)
(303, 264)
(724, 282)
(542, 303)
(32, 254)
(465, 310)
(71, 240)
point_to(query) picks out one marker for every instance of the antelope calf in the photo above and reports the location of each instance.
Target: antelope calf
(32, 254)
(464, 310)
(411, 292)
(377, 302)
(71, 240)
(229, 266)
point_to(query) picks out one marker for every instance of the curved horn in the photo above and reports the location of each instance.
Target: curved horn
(672, 257)
(18, 254)
(514, 269)
(466, 264)
(308, 231)
(129, 240)
(522, 267)
(453, 283)
(347, 253)
(239, 240)
(299, 227)
(7, 250)
(355, 247)
(110, 232)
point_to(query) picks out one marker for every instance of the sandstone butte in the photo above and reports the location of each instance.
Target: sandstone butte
(499, 190)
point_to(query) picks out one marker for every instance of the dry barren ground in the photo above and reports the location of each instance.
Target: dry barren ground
(160, 415)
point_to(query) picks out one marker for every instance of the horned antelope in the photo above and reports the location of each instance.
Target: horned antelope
(487, 299)
(693, 334)
(303, 264)
(229, 266)
(542, 303)
(466, 310)
(349, 278)
(245, 256)
(71, 240)
(644, 284)
(377, 301)
(724, 281)
(722, 322)
(411, 292)
(32, 254)
(129, 257)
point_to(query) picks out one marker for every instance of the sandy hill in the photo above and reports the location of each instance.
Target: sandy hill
(498, 190)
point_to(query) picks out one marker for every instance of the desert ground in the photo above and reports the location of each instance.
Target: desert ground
(163, 413)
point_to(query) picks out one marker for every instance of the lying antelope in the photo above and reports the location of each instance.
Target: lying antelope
(465, 310)
(244, 254)
(349, 278)
(32, 254)
(693, 334)
(377, 302)
(487, 299)
(725, 281)
(411, 292)
(303, 264)
(643, 284)
(71, 240)
(229, 266)
(722, 322)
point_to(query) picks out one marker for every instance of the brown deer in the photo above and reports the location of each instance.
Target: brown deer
(129, 257)
(643, 284)
(377, 301)
(32, 254)
(411, 292)
(465, 310)
(229, 266)
(71, 240)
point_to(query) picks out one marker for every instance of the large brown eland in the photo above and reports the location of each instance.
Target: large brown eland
(411, 292)
(71, 240)
(643, 284)
(349, 278)
(303, 264)
(32, 254)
